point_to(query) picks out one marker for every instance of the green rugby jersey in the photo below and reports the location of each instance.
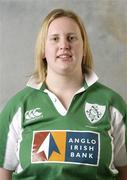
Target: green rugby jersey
(41, 140)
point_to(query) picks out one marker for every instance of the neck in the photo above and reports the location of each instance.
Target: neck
(60, 83)
(64, 87)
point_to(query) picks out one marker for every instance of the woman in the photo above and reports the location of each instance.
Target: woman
(64, 124)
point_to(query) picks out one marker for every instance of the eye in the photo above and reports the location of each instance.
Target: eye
(55, 38)
(71, 38)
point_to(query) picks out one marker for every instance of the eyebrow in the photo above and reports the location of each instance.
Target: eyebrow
(70, 33)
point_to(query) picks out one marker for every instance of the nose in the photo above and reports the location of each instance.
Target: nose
(64, 44)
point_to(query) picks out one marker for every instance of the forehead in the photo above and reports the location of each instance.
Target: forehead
(63, 24)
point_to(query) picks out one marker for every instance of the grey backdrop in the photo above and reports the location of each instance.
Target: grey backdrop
(106, 24)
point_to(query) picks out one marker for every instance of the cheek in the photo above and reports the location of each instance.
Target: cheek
(49, 50)
(79, 50)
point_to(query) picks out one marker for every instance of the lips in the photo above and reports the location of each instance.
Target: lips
(64, 56)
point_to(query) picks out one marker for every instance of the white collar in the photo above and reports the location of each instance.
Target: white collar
(91, 78)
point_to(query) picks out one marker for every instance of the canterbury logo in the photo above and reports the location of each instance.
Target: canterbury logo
(33, 114)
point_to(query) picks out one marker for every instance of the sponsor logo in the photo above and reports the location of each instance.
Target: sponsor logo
(33, 114)
(94, 112)
(75, 147)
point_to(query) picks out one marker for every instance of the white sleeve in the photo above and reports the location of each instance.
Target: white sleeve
(119, 137)
(11, 158)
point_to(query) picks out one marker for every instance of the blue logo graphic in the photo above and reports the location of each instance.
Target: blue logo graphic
(53, 146)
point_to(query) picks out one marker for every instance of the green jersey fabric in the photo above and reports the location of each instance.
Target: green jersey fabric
(41, 140)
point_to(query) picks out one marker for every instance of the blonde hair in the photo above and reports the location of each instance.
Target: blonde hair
(40, 61)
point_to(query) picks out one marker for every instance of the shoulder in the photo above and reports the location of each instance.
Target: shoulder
(109, 92)
(21, 95)
(18, 100)
(106, 94)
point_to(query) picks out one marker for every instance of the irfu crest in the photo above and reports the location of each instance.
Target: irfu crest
(94, 112)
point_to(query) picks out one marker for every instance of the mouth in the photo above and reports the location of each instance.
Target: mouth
(64, 56)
